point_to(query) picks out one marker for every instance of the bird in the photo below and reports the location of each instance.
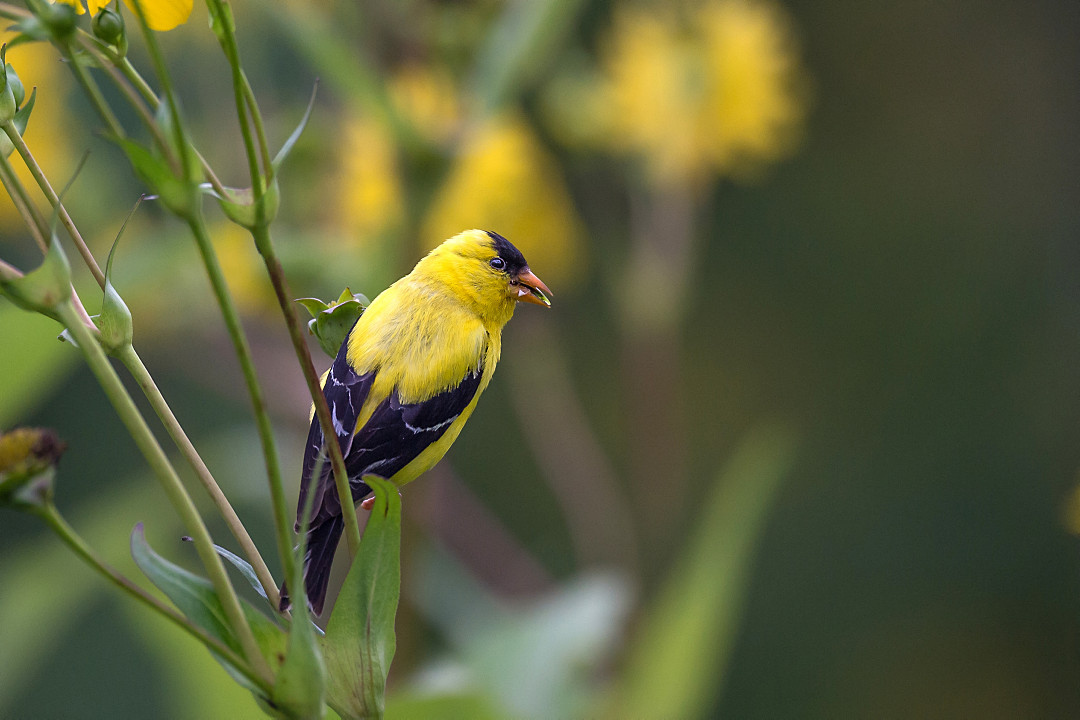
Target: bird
(407, 378)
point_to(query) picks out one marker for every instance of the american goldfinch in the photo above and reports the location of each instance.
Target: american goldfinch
(408, 376)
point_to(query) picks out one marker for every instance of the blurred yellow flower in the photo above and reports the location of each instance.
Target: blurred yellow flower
(244, 273)
(370, 197)
(428, 98)
(161, 15)
(713, 87)
(47, 133)
(504, 180)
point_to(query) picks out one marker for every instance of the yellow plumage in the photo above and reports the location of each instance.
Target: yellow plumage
(410, 373)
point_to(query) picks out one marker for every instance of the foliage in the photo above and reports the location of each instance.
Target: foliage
(432, 150)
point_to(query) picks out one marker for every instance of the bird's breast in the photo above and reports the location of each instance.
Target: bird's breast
(420, 345)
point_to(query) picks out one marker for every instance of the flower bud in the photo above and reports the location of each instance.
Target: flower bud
(60, 19)
(8, 106)
(108, 26)
(17, 88)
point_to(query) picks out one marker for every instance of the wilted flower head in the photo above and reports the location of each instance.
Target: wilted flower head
(27, 459)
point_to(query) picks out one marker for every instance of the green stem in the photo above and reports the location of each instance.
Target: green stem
(260, 232)
(170, 482)
(11, 12)
(121, 70)
(247, 366)
(136, 79)
(232, 54)
(93, 93)
(46, 188)
(24, 204)
(135, 97)
(142, 376)
(165, 79)
(257, 121)
(322, 411)
(74, 541)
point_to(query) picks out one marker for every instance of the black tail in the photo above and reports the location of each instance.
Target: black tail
(322, 542)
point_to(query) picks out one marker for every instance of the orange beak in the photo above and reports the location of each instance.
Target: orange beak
(531, 289)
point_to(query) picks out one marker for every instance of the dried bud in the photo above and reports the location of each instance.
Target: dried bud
(28, 458)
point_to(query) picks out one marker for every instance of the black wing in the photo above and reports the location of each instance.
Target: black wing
(397, 433)
(345, 393)
(391, 438)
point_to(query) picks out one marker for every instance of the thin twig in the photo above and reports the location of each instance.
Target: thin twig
(142, 376)
(83, 550)
(54, 200)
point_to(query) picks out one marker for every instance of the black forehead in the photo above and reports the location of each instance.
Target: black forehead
(515, 261)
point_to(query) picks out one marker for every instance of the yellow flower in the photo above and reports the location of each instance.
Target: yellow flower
(244, 274)
(369, 191)
(160, 14)
(713, 89)
(428, 98)
(755, 102)
(505, 181)
(48, 134)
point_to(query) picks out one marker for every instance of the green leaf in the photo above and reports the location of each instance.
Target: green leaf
(677, 663)
(195, 597)
(291, 141)
(30, 29)
(222, 23)
(42, 290)
(331, 322)
(360, 641)
(239, 205)
(114, 321)
(240, 564)
(538, 659)
(177, 195)
(300, 689)
(22, 118)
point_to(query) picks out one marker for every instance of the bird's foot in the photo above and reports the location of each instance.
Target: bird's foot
(370, 502)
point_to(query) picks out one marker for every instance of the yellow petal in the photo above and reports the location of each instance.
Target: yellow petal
(163, 15)
(94, 5)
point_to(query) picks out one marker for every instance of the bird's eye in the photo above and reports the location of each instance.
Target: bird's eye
(498, 263)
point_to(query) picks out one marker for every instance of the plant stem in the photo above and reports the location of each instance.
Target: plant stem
(152, 47)
(217, 281)
(247, 366)
(260, 233)
(21, 199)
(142, 376)
(109, 62)
(72, 539)
(93, 93)
(127, 77)
(256, 120)
(170, 482)
(43, 183)
(11, 12)
(322, 410)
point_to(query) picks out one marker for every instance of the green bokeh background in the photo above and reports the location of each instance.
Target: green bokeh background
(901, 294)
